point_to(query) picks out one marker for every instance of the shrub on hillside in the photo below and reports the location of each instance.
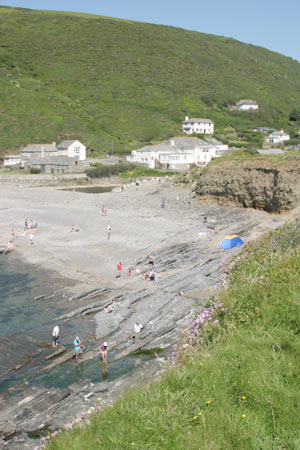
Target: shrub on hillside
(102, 171)
(35, 170)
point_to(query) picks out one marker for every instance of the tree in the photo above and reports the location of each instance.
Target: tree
(295, 114)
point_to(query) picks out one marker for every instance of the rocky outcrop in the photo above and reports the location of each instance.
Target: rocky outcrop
(255, 184)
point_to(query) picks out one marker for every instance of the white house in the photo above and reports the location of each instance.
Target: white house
(72, 149)
(277, 137)
(201, 126)
(179, 153)
(246, 105)
(11, 160)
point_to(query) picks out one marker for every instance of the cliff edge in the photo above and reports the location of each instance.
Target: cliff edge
(259, 184)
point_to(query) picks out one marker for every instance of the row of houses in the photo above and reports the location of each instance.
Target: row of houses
(66, 157)
(178, 153)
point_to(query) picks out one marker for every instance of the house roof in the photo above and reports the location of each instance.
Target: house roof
(272, 151)
(65, 144)
(196, 120)
(52, 160)
(11, 156)
(278, 133)
(39, 147)
(246, 102)
(179, 144)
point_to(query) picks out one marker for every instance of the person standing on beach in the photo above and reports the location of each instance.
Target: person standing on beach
(31, 239)
(55, 336)
(103, 349)
(119, 269)
(108, 232)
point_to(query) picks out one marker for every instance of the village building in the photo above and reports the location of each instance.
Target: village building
(272, 151)
(72, 149)
(221, 148)
(55, 165)
(11, 160)
(277, 137)
(200, 126)
(263, 129)
(179, 153)
(38, 151)
(246, 105)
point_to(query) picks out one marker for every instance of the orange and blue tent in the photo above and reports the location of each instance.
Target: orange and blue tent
(231, 242)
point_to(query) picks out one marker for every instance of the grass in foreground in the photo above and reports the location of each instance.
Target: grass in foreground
(238, 388)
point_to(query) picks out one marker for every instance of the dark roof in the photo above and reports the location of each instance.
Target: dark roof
(52, 160)
(247, 102)
(65, 144)
(39, 148)
(176, 144)
(196, 120)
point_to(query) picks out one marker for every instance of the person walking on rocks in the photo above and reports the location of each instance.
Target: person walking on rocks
(55, 336)
(137, 329)
(108, 232)
(103, 349)
(77, 348)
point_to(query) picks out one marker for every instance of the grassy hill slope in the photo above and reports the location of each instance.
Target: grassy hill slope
(237, 387)
(104, 79)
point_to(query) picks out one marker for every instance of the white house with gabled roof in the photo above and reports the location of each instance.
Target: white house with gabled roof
(246, 105)
(200, 126)
(277, 137)
(72, 149)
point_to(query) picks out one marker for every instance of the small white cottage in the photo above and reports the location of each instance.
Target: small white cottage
(72, 149)
(201, 126)
(246, 105)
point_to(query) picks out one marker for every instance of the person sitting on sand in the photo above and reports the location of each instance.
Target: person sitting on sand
(10, 245)
(77, 348)
(108, 309)
(147, 276)
(103, 349)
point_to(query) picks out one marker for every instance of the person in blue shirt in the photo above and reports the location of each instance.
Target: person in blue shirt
(77, 348)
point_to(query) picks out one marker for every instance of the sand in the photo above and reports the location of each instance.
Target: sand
(139, 226)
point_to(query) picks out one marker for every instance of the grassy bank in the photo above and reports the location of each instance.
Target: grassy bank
(237, 387)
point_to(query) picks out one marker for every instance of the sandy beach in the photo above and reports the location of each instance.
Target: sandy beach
(139, 226)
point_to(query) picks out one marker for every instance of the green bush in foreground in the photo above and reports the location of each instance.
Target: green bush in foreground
(238, 389)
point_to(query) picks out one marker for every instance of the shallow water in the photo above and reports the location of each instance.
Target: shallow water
(92, 189)
(22, 315)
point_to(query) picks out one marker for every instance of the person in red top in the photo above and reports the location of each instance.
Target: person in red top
(119, 269)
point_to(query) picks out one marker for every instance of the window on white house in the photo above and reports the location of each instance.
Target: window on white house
(76, 149)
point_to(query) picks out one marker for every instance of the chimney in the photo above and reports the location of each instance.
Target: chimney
(186, 118)
(54, 144)
(172, 142)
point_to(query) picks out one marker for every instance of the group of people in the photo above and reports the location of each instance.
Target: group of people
(150, 275)
(78, 347)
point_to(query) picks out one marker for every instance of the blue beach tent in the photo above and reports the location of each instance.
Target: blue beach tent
(231, 242)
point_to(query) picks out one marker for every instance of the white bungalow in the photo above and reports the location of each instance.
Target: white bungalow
(201, 126)
(277, 137)
(72, 149)
(246, 105)
(177, 154)
(11, 160)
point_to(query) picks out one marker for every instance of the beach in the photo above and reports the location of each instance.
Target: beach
(182, 239)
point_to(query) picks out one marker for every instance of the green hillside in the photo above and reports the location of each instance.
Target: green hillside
(103, 79)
